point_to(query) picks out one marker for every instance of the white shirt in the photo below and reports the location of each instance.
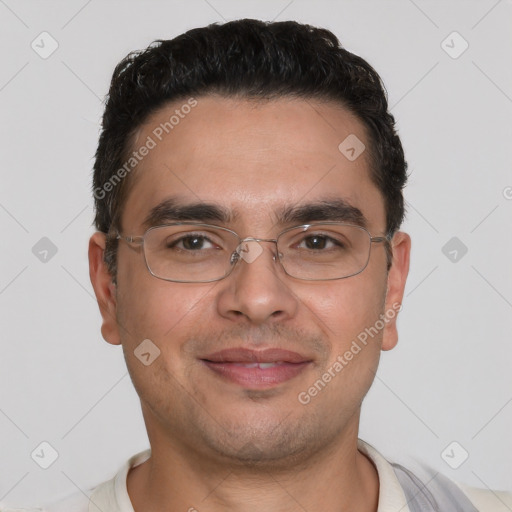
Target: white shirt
(112, 495)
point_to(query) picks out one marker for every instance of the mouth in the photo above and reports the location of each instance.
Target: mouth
(256, 369)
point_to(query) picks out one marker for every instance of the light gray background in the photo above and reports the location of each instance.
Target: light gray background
(450, 377)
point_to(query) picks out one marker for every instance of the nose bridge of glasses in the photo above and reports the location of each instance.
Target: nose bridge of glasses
(253, 239)
(249, 248)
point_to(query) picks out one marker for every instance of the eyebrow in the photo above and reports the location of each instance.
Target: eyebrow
(173, 209)
(335, 210)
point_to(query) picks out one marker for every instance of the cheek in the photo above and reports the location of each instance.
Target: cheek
(345, 311)
(150, 308)
(344, 308)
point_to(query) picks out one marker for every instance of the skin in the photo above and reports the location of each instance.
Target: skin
(215, 445)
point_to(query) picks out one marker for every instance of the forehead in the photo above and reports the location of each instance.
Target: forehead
(252, 158)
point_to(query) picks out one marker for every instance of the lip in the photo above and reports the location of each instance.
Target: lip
(246, 355)
(256, 369)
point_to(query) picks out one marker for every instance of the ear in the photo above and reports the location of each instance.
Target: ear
(104, 288)
(397, 276)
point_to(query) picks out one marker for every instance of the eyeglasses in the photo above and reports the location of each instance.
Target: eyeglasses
(188, 252)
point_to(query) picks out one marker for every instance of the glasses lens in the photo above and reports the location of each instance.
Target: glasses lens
(189, 253)
(324, 251)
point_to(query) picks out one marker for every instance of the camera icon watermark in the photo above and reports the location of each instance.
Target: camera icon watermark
(454, 455)
(44, 455)
(44, 250)
(44, 45)
(454, 45)
(249, 250)
(146, 352)
(351, 147)
(454, 249)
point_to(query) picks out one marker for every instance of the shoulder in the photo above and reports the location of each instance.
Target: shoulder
(486, 500)
(435, 488)
(5, 508)
(78, 502)
(429, 486)
(108, 496)
(420, 487)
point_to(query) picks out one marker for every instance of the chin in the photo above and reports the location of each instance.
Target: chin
(266, 443)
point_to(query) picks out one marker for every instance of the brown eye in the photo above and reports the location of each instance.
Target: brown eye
(319, 242)
(191, 243)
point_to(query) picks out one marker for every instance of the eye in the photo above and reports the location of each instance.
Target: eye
(191, 243)
(318, 242)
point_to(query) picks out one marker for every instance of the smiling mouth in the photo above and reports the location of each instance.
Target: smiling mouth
(256, 369)
(257, 375)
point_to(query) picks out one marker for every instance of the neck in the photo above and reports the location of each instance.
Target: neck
(341, 479)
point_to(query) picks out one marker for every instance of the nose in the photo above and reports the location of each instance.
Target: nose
(258, 290)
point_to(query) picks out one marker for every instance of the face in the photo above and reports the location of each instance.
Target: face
(250, 162)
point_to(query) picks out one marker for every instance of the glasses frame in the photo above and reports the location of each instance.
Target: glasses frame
(140, 239)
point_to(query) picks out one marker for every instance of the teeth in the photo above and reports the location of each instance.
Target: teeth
(262, 366)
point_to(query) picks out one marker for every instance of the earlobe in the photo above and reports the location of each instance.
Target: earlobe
(104, 288)
(397, 277)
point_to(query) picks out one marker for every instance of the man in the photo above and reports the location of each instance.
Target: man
(248, 185)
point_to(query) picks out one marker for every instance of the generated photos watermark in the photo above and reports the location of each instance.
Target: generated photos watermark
(305, 397)
(151, 142)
